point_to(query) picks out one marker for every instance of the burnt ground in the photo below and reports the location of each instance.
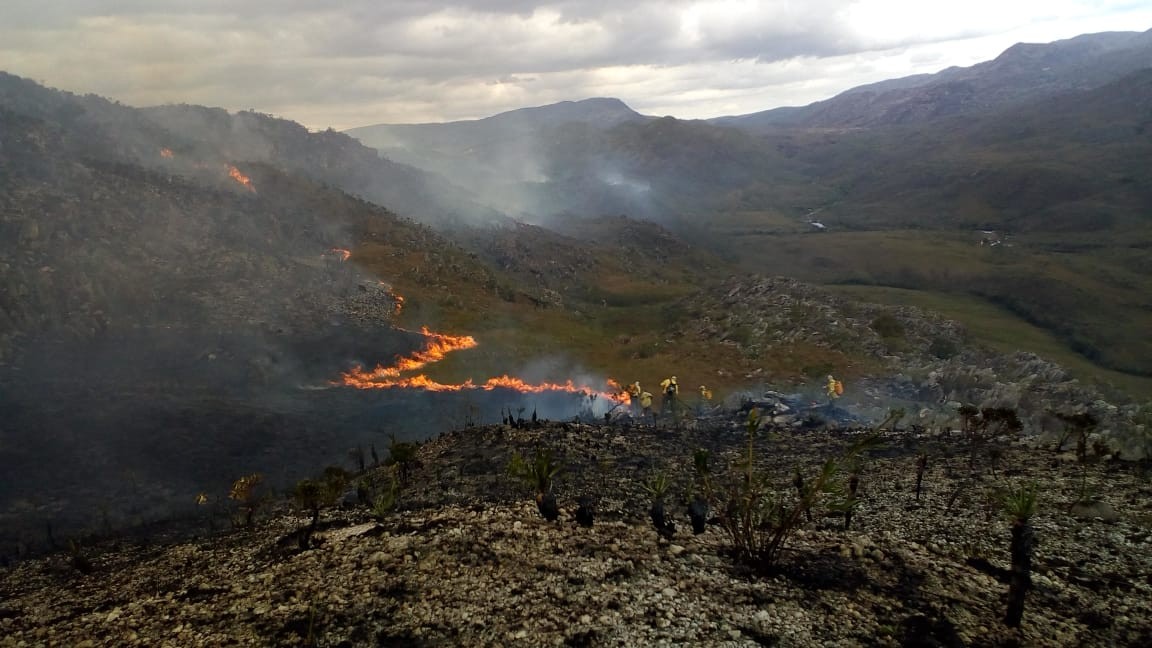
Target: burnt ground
(118, 437)
(467, 560)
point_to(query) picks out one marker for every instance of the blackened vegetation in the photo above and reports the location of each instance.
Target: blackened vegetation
(658, 487)
(921, 466)
(585, 511)
(546, 505)
(698, 514)
(1020, 506)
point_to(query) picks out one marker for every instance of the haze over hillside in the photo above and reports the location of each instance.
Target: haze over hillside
(1043, 144)
(175, 273)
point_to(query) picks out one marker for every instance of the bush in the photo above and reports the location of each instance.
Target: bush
(760, 518)
(537, 473)
(943, 348)
(887, 327)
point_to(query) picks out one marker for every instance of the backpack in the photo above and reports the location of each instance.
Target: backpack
(839, 388)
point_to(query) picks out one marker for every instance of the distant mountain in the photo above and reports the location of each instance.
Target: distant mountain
(460, 136)
(502, 159)
(1024, 72)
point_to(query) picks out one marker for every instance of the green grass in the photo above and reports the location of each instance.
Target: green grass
(1000, 330)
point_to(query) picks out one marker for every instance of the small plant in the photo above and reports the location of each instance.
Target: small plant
(402, 455)
(979, 426)
(759, 519)
(386, 500)
(79, 561)
(850, 502)
(1020, 506)
(698, 506)
(309, 495)
(585, 511)
(333, 485)
(887, 326)
(244, 492)
(921, 466)
(658, 486)
(537, 473)
(1079, 426)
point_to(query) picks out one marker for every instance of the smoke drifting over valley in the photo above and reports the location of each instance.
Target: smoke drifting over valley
(188, 295)
(177, 306)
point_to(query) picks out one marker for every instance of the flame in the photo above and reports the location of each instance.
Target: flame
(437, 347)
(342, 253)
(619, 394)
(235, 174)
(166, 152)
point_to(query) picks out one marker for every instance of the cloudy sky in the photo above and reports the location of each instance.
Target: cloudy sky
(357, 62)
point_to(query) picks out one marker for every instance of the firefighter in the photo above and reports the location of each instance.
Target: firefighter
(670, 389)
(634, 393)
(646, 403)
(705, 400)
(835, 388)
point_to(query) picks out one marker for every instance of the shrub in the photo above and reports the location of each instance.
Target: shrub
(1020, 506)
(243, 491)
(759, 518)
(887, 326)
(402, 455)
(943, 348)
(537, 473)
(386, 500)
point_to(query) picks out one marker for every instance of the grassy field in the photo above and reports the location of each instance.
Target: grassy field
(620, 309)
(1001, 330)
(1089, 297)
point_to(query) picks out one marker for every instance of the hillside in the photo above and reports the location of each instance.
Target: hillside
(467, 560)
(183, 289)
(1046, 160)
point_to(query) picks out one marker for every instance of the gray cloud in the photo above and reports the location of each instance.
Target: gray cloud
(365, 61)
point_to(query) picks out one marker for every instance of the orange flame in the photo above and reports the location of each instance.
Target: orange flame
(440, 345)
(235, 174)
(166, 152)
(342, 253)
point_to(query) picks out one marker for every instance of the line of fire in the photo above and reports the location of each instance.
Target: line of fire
(437, 347)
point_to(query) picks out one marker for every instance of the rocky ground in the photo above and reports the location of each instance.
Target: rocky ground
(466, 559)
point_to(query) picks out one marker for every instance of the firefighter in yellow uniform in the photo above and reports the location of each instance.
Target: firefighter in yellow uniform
(705, 398)
(634, 392)
(646, 403)
(835, 388)
(671, 390)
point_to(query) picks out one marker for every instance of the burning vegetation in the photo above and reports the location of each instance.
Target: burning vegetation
(239, 177)
(437, 347)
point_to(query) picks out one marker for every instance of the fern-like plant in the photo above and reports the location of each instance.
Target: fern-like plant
(1020, 505)
(760, 519)
(537, 473)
